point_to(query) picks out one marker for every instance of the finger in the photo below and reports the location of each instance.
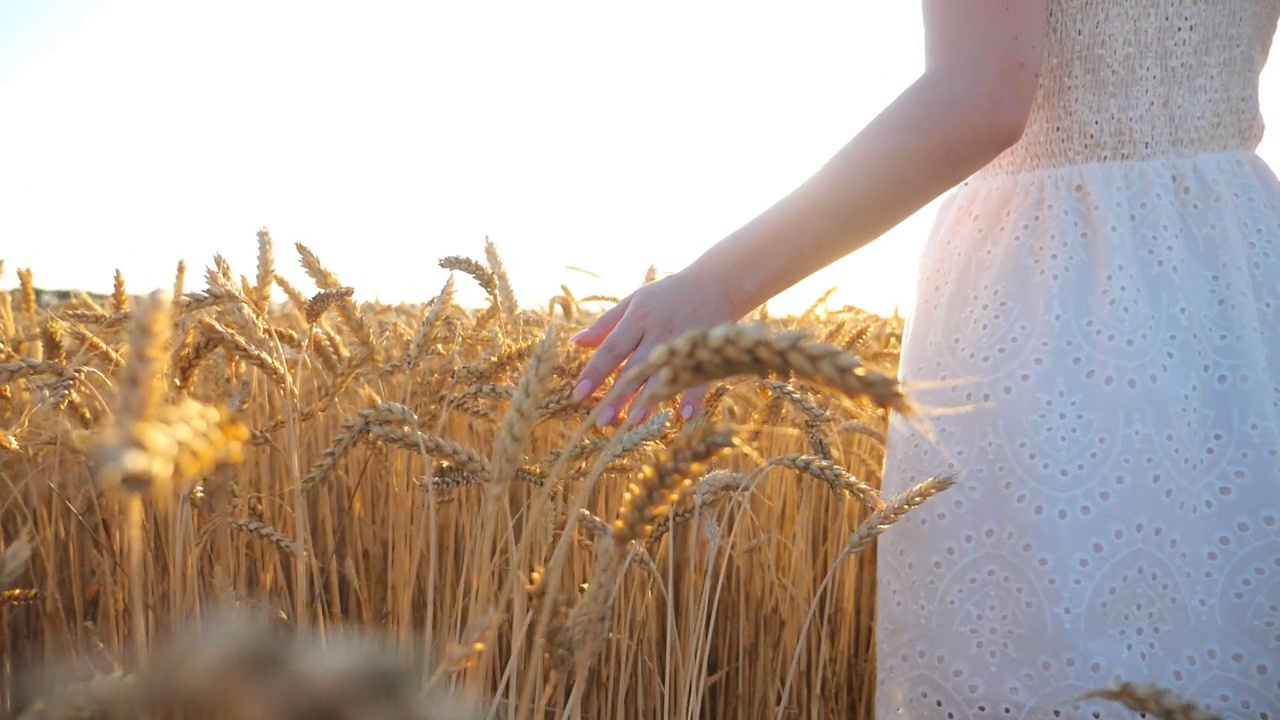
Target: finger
(692, 402)
(620, 410)
(600, 329)
(620, 343)
(646, 411)
(630, 408)
(625, 388)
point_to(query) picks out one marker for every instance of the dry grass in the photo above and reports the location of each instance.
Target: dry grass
(220, 505)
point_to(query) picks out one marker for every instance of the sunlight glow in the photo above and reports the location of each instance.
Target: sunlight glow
(593, 135)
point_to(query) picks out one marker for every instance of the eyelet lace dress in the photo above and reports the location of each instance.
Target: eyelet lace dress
(1096, 348)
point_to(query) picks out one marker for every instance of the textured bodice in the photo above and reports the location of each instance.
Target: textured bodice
(1135, 80)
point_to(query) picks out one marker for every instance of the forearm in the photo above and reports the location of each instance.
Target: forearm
(936, 134)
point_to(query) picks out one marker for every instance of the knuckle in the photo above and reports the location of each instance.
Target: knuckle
(611, 353)
(597, 368)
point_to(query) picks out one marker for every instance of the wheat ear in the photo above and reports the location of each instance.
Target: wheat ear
(266, 271)
(510, 444)
(1156, 702)
(702, 356)
(894, 510)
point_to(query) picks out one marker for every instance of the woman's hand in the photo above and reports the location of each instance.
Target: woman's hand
(654, 314)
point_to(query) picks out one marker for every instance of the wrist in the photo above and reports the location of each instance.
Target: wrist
(731, 283)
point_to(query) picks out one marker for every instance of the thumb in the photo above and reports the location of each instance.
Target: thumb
(600, 329)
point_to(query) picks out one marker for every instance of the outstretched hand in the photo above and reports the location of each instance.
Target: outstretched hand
(652, 315)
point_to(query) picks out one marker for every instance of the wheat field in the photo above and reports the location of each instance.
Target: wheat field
(250, 500)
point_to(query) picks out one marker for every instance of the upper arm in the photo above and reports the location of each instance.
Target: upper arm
(993, 48)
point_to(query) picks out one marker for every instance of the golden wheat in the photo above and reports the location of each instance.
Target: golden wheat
(336, 466)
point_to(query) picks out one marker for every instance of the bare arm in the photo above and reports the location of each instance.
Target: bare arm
(983, 58)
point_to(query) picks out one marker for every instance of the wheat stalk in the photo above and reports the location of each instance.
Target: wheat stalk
(648, 498)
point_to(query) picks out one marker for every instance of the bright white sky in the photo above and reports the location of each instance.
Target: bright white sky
(388, 135)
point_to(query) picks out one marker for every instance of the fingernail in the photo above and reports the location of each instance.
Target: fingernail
(686, 411)
(606, 417)
(582, 390)
(578, 336)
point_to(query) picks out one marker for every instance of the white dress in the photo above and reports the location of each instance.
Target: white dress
(1097, 342)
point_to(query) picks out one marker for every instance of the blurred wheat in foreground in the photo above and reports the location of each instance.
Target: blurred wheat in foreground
(221, 503)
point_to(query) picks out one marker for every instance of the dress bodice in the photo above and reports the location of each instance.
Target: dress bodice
(1136, 80)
